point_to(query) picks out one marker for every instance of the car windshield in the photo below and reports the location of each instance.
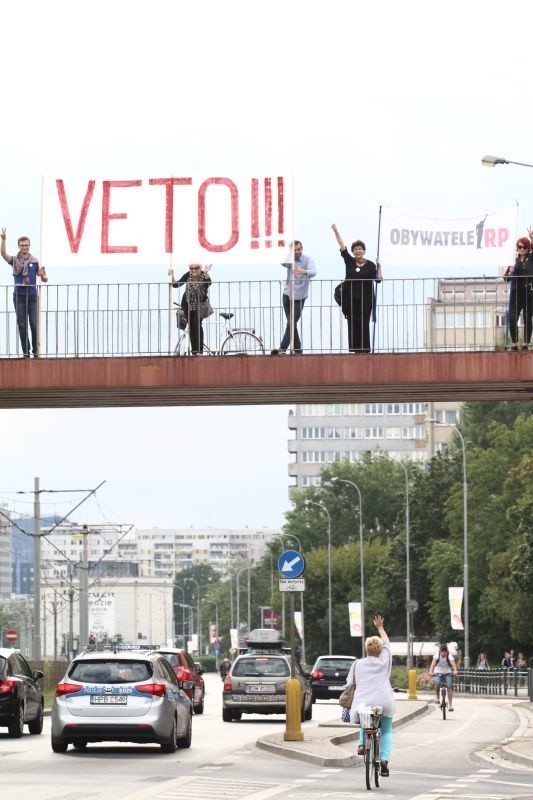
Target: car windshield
(261, 667)
(115, 671)
(3, 666)
(172, 659)
(334, 663)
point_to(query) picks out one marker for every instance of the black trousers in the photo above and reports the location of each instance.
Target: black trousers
(521, 303)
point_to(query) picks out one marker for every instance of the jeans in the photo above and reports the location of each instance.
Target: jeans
(385, 746)
(298, 308)
(26, 311)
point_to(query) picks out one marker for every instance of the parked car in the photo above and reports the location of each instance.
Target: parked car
(21, 696)
(256, 685)
(328, 676)
(121, 697)
(187, 670)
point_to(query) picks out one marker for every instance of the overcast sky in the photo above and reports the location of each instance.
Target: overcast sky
(366, 104)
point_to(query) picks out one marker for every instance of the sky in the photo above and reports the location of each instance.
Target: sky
(365, 104)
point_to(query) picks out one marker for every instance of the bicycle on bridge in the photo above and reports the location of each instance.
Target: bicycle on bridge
(231, 341)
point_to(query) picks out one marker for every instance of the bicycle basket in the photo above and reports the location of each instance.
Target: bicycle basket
(181, 319)
(370, 716)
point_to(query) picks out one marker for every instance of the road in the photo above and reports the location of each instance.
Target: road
(431, 760)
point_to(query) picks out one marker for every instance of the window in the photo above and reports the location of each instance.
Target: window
(313, 433)
(334, 410)
(373, 408)
(333, 433)
(353, 433)
(393, 433)
(414, 408)
(447, 415)
(393, 408)
(373, 433)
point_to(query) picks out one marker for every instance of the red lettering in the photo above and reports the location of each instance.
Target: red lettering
(169, 183)
(503, 235)
(107, 216)
(490, 237)
(234, 199)
(74, 239)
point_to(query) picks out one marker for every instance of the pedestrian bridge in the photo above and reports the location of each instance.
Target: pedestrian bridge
(113, 345)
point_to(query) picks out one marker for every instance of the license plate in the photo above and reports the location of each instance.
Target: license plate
(258, 698)
(109, 699)
(335, 688)
(261, 688)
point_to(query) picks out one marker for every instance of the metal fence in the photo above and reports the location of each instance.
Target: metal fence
(138, 319)
(510, 682)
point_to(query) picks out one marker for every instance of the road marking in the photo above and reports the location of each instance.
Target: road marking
(208, 788)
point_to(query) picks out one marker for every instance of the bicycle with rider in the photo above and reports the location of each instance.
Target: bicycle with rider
(443, 667)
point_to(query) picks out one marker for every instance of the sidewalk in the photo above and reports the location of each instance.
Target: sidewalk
(331, 744)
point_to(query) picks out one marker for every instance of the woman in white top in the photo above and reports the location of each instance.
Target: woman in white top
(373, 688)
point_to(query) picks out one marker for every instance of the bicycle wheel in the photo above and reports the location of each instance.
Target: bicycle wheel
(443, 701)
(369, 758)
(377, 762)
(239, 343)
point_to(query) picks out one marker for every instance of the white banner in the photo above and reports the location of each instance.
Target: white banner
(354, 614)
(455, 597)
(484, 240)
(102, 615)
(299, 624)
(160, 221)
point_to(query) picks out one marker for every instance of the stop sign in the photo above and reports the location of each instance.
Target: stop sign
(11, 636)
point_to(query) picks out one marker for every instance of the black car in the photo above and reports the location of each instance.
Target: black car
(21, 697)
(328, 676)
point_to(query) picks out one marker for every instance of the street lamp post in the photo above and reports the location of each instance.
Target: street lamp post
(491, 161)
(239, 599)
(292, 536)
(182, 590)
(192, 580)
(330, 629)
(336, 479)
(407, 572)
(465, 536)
(205, 600)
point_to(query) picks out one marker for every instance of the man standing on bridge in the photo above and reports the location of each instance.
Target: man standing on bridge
(26, 269)
(299, 274)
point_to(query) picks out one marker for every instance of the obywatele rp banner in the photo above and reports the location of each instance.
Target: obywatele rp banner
(354, 615)
(159, 220)
(455, 597)
(484, 240)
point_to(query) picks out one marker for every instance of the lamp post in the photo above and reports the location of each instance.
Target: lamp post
(407, 572)
(239, 599)
(182, 590)
(192, 580)
(330, 629)
(292, 536)
(205, 600)
(336, 479)
(491, 161)
(465, 536)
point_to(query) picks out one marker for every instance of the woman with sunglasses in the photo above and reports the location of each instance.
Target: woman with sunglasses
(197, 283)
(521, 292)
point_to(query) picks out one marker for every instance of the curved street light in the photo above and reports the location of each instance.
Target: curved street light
(491, 161)
(330, 628)
(409, 661)
(465, 535)
(336, 479)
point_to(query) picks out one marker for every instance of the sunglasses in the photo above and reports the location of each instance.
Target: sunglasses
(522, 247)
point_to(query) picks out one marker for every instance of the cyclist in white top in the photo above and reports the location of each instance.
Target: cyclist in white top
(442, 667)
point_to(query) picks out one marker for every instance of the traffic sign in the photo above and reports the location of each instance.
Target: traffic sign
(11, 636)
(291, 564)
(292, 584)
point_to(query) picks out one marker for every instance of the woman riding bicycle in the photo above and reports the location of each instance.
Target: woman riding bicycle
(197, 283)
(373, 688)
(442, 667)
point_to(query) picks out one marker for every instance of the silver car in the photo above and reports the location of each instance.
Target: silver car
(121, 697)
(256, 685)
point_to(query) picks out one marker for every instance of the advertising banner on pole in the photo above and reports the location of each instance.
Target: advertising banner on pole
(163, 220)
(354, 614)
(298, 624)
(455, 597)
(102, 615)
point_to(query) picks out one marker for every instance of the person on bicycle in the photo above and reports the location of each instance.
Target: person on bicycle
(224, 668)
(442, 668)
(197, 283)
(373, 688)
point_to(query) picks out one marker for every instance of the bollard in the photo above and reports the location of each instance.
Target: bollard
(412, 685)
(293, 712)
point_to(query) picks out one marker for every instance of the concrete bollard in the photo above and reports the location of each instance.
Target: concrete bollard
(412, 685)
(293, 712)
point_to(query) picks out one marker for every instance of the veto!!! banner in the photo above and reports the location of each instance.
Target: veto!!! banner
(484, 240)
(165, 221)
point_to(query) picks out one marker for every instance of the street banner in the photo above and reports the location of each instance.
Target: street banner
(487, 239)
(299, 624)
(165, 220)
(102, 615)
(234, 638)
(455, 597)
(354, 614)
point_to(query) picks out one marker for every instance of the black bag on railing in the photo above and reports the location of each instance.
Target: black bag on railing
(204, 309)
(337, 294)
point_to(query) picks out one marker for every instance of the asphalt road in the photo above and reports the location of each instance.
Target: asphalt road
(431, 759)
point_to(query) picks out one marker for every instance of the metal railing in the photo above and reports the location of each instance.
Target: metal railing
(510, 682)
(138, 319)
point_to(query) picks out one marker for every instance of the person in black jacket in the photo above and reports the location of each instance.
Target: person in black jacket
(358, 293)
(521, 292)
(197, 283)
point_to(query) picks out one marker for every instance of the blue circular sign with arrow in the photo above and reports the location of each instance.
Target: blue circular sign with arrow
(291, 564)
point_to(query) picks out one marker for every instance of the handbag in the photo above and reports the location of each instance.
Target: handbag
(345, 715)
(337, 294)
(346, 697)
(204, 309)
